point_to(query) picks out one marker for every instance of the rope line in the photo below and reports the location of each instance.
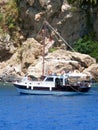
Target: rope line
(60, 36)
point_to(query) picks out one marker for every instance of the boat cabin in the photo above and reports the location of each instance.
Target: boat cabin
(59, 81)
(68, 79)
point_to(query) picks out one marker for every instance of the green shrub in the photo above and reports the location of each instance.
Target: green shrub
(87, 46)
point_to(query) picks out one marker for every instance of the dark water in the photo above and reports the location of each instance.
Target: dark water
(29, 112)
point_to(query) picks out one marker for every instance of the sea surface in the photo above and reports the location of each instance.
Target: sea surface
(35, 112)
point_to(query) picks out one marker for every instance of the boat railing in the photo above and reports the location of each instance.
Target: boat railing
(39, 83)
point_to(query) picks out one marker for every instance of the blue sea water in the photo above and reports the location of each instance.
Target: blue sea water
(33, 112)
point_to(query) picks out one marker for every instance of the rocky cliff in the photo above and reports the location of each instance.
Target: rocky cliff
(28, 59)
(71, 21)
(21, 49)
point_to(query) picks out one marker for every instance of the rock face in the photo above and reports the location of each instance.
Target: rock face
(28, 59)
(21, 60)
(68, 20)
(63, 60)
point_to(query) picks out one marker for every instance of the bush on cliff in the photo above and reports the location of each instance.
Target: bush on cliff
(87, 45)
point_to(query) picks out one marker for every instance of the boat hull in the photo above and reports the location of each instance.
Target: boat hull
(45, 91)
(41, 92)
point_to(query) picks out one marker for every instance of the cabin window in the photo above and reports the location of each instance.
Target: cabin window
(61, 82)
(49, 79)
(57, 82)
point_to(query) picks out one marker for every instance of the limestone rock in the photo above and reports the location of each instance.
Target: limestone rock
(93, 70)
(84, 59)
(69, 20)
(31, 62)
(62, 60)
(70, 23)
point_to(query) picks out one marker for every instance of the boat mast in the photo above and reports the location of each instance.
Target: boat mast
(44, 38)
(43, 53)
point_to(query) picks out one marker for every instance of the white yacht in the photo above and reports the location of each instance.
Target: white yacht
(70, 83)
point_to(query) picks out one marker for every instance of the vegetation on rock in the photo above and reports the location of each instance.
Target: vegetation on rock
(87, 45)
(8, 19)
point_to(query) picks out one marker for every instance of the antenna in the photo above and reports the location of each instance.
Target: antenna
(43, 55)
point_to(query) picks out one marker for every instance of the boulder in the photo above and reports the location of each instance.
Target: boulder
(62, 60)
(28, 59)
(93, 70)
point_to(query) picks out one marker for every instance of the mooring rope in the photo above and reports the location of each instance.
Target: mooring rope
(76, 90)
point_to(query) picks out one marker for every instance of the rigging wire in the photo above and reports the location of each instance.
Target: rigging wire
(59, 36)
